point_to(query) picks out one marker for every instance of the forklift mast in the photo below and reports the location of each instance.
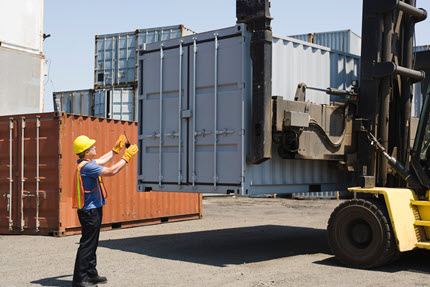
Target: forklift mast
(387, 75)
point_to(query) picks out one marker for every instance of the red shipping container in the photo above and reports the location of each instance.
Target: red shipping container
(37, 163)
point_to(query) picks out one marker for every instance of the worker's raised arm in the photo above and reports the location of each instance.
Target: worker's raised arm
(128, 154)
(107, 157)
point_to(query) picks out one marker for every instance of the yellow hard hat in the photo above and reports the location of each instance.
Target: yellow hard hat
(82, 143)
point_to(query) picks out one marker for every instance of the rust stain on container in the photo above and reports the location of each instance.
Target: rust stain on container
(125, 206)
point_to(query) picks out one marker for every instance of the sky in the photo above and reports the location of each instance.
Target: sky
(73, 26)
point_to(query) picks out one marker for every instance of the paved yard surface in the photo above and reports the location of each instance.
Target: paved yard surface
(239, 242)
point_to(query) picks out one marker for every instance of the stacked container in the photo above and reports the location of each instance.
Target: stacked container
(21, 59)
(37, 164)
(344, 40)
(115, 70)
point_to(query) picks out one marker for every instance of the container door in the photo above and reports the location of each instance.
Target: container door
(123, 102)
(126, 64)
(8, 176)
(100, 98)
(163, 117)
(34, 159)
(216, 101)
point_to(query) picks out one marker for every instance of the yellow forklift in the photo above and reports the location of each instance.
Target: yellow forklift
(390, 213)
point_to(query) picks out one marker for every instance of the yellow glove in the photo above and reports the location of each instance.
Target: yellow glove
(130, 152)
(119, 144)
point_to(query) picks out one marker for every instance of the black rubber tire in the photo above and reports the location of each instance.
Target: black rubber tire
(360, 234)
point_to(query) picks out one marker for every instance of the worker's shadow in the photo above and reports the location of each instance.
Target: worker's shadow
(54, 281)
(227, 246)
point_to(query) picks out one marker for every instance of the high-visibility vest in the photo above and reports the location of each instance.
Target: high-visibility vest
(78, 187)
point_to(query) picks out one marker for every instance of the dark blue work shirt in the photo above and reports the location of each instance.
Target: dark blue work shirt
(89, 174)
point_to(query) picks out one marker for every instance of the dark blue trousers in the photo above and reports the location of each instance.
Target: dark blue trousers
(86, 260)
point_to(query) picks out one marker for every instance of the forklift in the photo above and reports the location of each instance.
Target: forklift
(390, 212)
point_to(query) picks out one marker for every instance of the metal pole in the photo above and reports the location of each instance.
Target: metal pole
(10, 173)
(384, 116)
(215, 109)
(104, 62)
(160, 160)
(181, 52)
(122, 101)
(37, 172)
(243, 94)
(194, 112)
(22, 173)
(407, 87)
(118, 47)
(112, 62)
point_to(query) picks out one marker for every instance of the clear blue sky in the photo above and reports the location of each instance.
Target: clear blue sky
(73, 25)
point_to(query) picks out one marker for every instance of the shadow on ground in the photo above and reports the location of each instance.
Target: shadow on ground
(227, 246)
(54, 281)
(412, 261)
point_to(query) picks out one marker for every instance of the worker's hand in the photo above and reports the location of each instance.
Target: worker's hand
(130, 152)
(119, 144)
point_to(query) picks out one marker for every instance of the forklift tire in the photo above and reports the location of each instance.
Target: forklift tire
(360, 234)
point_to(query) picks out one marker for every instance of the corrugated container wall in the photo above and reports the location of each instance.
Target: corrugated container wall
(115, 55)
(37, 164)
(119, 104)
(421, 48)
(194, 117)
(79, 102)
(345, 40)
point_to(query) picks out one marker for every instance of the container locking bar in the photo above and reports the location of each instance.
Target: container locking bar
(181, 53)
(194, 175)
(215, 176)
(37, 170)
(22, 173)
(9, 201)
(160, 159)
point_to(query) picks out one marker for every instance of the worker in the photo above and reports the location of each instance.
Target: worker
(89, 198)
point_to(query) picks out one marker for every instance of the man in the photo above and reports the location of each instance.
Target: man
(89, 198)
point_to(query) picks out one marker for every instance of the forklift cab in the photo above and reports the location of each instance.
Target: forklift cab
(420, 154)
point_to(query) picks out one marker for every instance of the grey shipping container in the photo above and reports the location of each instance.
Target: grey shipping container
(78, 102)
(115, 54)
(117, 104)
(344, 40)
(21, 81)
(194, 113)
(422, 48)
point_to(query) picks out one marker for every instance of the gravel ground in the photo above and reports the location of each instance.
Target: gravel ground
(239, 242)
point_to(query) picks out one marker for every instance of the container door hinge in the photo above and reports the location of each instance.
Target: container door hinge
(60, 156)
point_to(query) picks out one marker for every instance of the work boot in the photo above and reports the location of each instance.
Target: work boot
(83, 284)
(98, 280)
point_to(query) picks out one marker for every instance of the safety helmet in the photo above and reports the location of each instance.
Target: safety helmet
(82, 143)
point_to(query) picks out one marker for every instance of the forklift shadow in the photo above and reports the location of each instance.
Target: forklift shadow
(224, 247)
(412, 261)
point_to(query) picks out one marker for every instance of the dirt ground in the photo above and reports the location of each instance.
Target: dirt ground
(239, 242)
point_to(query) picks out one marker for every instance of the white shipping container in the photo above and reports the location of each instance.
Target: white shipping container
(21, 25)
(21, 82)
(115, 55)
(195, 111)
